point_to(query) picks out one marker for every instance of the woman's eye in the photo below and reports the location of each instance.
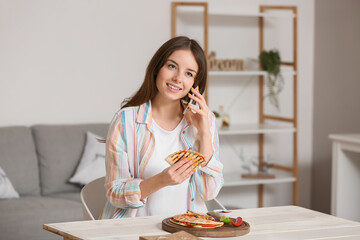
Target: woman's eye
(172, 66)
(189, 74)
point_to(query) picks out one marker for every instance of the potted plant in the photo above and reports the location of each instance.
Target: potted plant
(270, 62)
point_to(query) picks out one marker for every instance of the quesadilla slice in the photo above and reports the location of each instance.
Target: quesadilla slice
(199, 215)
(190, 154)
(195, 220)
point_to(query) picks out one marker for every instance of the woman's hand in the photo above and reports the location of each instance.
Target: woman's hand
(200, 120)
(179, 172)
(199, 116)
(172, 175)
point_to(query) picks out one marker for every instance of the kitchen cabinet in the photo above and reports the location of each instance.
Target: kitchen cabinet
(345, 173)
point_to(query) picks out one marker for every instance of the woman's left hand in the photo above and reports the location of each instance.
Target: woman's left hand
(199, 116)
(200, 120)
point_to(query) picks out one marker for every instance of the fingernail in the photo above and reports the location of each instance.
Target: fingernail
(193, 160)
(194, 170)
(195, 164)
(192, 89)
(189, 94)
(197, 88)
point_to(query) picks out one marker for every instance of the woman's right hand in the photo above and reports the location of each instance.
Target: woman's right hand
(172, 175)
(179, 172)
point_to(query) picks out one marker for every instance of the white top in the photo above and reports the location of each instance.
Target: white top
(173, 199)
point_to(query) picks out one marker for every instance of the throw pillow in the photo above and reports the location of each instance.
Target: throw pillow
(92, 163)
(6, 188)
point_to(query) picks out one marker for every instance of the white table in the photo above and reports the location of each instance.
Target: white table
(274, 223)
(345, 178)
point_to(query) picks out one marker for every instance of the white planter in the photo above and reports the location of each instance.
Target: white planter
(219, 122)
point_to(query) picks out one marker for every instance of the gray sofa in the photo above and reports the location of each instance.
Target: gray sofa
(39, 160)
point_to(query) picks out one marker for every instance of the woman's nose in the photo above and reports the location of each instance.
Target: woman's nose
(177, 76)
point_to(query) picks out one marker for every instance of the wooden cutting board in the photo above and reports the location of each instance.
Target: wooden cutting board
(227, 230)
(173, 236)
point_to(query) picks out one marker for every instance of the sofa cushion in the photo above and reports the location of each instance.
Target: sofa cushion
(7, 190)
(23, 218)
(59, 149)
(67, 196)
(18, 159)
(92, 163)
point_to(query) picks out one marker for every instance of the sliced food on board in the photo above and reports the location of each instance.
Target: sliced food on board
(195, 220)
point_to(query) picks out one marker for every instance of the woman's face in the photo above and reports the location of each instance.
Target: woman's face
(177, 76)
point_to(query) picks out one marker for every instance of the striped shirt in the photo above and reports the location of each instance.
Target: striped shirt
(130, 144)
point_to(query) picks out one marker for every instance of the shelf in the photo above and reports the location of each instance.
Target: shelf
(245, 129)
(215, 12)
(234, 179)
(246, 73)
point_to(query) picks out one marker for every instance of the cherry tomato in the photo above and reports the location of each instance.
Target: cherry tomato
(238, 222)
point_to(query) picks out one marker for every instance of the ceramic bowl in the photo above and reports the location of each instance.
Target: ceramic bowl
(221, 212)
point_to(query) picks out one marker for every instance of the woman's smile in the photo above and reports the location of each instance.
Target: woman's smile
(173, 88)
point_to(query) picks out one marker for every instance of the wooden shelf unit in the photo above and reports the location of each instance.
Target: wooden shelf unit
(263, 116)
(245, 73)
(256, 128)
(235, 179)
(262, 127)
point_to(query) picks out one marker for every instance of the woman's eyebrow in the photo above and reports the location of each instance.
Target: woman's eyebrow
(192, 70)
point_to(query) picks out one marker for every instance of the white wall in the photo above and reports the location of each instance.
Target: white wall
(336, 87)
(66, 61)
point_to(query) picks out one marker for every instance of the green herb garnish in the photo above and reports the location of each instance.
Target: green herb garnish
(225, 220)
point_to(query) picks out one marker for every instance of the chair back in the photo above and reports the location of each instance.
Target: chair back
(93, 198)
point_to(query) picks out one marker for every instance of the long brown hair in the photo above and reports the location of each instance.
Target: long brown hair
(148, 89)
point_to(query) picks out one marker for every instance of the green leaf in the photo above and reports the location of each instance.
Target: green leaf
(225, 220)
(270, 62)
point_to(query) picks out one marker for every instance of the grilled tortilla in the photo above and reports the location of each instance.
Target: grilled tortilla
(195, 220)
(190, 154)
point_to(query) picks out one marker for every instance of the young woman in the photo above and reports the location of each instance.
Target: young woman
(150, 126)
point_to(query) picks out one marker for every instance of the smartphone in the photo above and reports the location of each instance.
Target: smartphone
(191, 101)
